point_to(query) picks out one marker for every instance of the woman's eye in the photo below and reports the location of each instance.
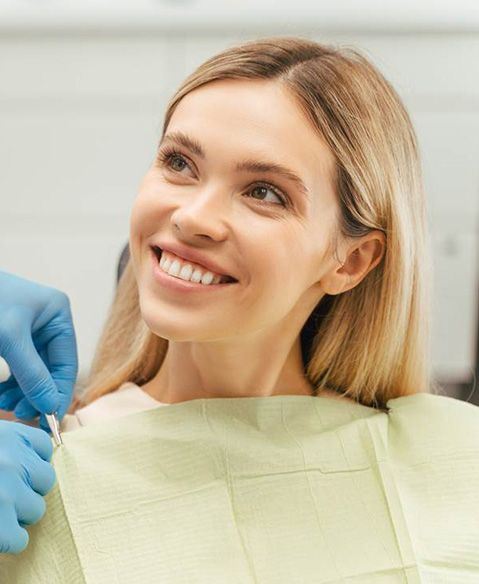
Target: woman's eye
(271, 190)
(182, 161)
(167, 157)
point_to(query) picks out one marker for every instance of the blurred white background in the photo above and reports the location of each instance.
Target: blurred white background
(83, 89)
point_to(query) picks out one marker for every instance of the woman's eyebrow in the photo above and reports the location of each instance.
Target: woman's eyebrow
(249, 165)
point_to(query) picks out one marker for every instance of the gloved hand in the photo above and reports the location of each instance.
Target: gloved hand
(38, 342)
(26, 475)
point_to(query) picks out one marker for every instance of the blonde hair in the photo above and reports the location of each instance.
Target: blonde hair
(372, 342)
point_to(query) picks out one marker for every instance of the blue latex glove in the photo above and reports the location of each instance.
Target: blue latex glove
(26, 475)
(38, 342)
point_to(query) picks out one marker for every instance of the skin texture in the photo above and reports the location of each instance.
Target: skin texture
(243, 340)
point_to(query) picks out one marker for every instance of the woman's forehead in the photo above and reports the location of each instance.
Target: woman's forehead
(247, 120)
(253, 109)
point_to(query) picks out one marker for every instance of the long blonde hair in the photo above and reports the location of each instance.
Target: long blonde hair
(372, 342)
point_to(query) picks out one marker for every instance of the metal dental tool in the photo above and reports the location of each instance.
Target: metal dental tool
(54, 427)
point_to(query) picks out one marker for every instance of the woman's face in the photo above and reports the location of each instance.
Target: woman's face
(257, 225)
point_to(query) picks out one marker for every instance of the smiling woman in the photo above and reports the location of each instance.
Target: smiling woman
(294, 166)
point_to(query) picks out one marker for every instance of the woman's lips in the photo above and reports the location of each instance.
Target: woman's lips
(179, 285)
(158, 251)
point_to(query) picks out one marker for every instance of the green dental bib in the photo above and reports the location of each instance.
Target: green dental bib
(271, 490)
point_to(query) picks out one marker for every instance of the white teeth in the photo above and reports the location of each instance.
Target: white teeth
(207, 278)
(185, 272)
(174, 268)
(196, 276)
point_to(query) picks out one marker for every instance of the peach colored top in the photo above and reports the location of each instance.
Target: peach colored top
(129, 398)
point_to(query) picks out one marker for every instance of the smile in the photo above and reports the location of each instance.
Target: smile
(173, 272)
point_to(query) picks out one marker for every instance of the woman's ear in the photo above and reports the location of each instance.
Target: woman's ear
(362, 256)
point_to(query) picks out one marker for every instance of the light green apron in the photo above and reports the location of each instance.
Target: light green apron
(270, 490)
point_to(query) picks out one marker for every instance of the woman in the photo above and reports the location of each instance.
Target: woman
(348, 262)
(288, 174)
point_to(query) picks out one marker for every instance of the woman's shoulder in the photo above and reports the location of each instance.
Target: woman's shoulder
(433, 425)
(434, 401)
(439, 408)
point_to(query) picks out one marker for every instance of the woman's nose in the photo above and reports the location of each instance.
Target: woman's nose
(205, 212)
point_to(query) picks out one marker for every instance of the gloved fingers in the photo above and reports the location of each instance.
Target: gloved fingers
(63, 364)
(36, 473)
(30, 506)
(9, 383)
(43, 352)
(10, 398)
(34, 438)
(33, 376)
(13, 397)
(13, 538)
(24, 409)
(29, 411)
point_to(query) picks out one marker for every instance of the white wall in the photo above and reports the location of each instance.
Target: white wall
(80, 116)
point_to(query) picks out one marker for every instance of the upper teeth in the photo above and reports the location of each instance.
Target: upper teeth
(175, 266)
